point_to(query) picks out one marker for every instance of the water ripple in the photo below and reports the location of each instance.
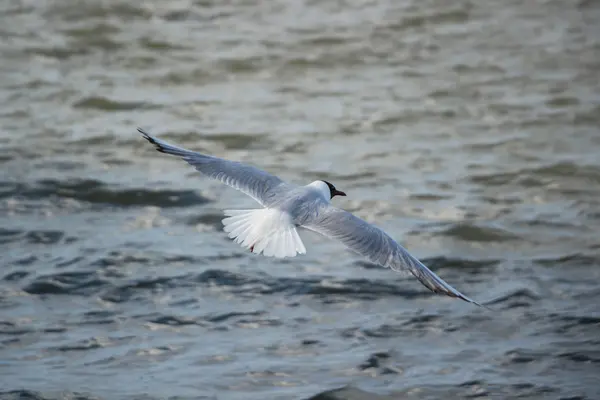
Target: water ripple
(96, 192)
(469, 130)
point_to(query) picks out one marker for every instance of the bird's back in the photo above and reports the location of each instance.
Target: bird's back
(303, 204)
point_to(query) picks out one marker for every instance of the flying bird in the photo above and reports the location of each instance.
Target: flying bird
(273, 229)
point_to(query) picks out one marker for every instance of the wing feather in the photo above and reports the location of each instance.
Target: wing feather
(256, 183)
(378, 247)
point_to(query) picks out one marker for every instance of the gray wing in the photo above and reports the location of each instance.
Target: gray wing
(258, 184)
(374, 244)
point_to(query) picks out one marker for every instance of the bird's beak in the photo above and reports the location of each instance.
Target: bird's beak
(338, 193)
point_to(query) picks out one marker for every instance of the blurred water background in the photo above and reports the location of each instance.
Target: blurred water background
(469, 130)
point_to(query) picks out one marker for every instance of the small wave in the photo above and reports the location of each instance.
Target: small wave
(321, 59)
(349, 392)
(92, 29)
(583, 320)
(227, 316)
(184, 76)
(138, 288)
(381, 363)
(478, 233)
(468, 390)
(12, 328)
(374, 360)
(472, 266)
(562, 101)
(96, 192)
(250, 64)
(576, 325)
(367, 175)
(421, 323)
(26, 395)
(10, 235)
(320, 287)
(120, 257)
(15, 276)
(67, 283)
(456, 16)
(155, 44)
(481, 68)
(31, 237)
(211, 220)
(120, 11)
(592, 357)
(516, 298)
(57, 52)
(419, 19)
(569, 261)
(236, 141)
(98, 317)
(356, 288)
(429, 197)
(325, 289)
(83, 345)
(540, 176)
(524, 356)
(412, 115)
(316, 38)
(25, 261)
(173, 320)
(104, 104)
(60, 165)
(253, 323)
(588, 117)
(62, 263)
(44, 237)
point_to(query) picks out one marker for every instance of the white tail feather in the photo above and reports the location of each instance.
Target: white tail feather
(265, 230)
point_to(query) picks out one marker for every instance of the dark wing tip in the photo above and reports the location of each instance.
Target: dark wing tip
(469, 300)
(146, 135)
(437, 285)
(149, 138)
(472, 301)
(450, 292)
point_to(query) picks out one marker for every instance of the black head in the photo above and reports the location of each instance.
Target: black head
(333, 191)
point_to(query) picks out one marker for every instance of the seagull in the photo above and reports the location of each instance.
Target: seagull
(273, 229)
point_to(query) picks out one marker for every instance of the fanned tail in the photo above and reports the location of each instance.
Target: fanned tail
(265, 230)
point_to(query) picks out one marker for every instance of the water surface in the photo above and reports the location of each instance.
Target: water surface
(467, 130)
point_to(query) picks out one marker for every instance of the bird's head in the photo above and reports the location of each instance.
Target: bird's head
(329, 191)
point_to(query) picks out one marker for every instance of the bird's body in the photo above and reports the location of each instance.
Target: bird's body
(273, 229)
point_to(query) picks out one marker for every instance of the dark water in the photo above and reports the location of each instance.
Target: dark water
(468, 130)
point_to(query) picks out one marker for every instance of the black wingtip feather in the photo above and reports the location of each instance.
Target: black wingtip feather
(476, 303)
(149, 138)
(146, 136)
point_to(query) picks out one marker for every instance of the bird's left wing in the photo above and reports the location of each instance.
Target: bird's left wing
(377, 246)
(256, 183)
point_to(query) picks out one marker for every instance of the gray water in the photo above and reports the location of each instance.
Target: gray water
(468, 130)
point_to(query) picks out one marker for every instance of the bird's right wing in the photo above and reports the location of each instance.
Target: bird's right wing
(258, 184)
(377, 246)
